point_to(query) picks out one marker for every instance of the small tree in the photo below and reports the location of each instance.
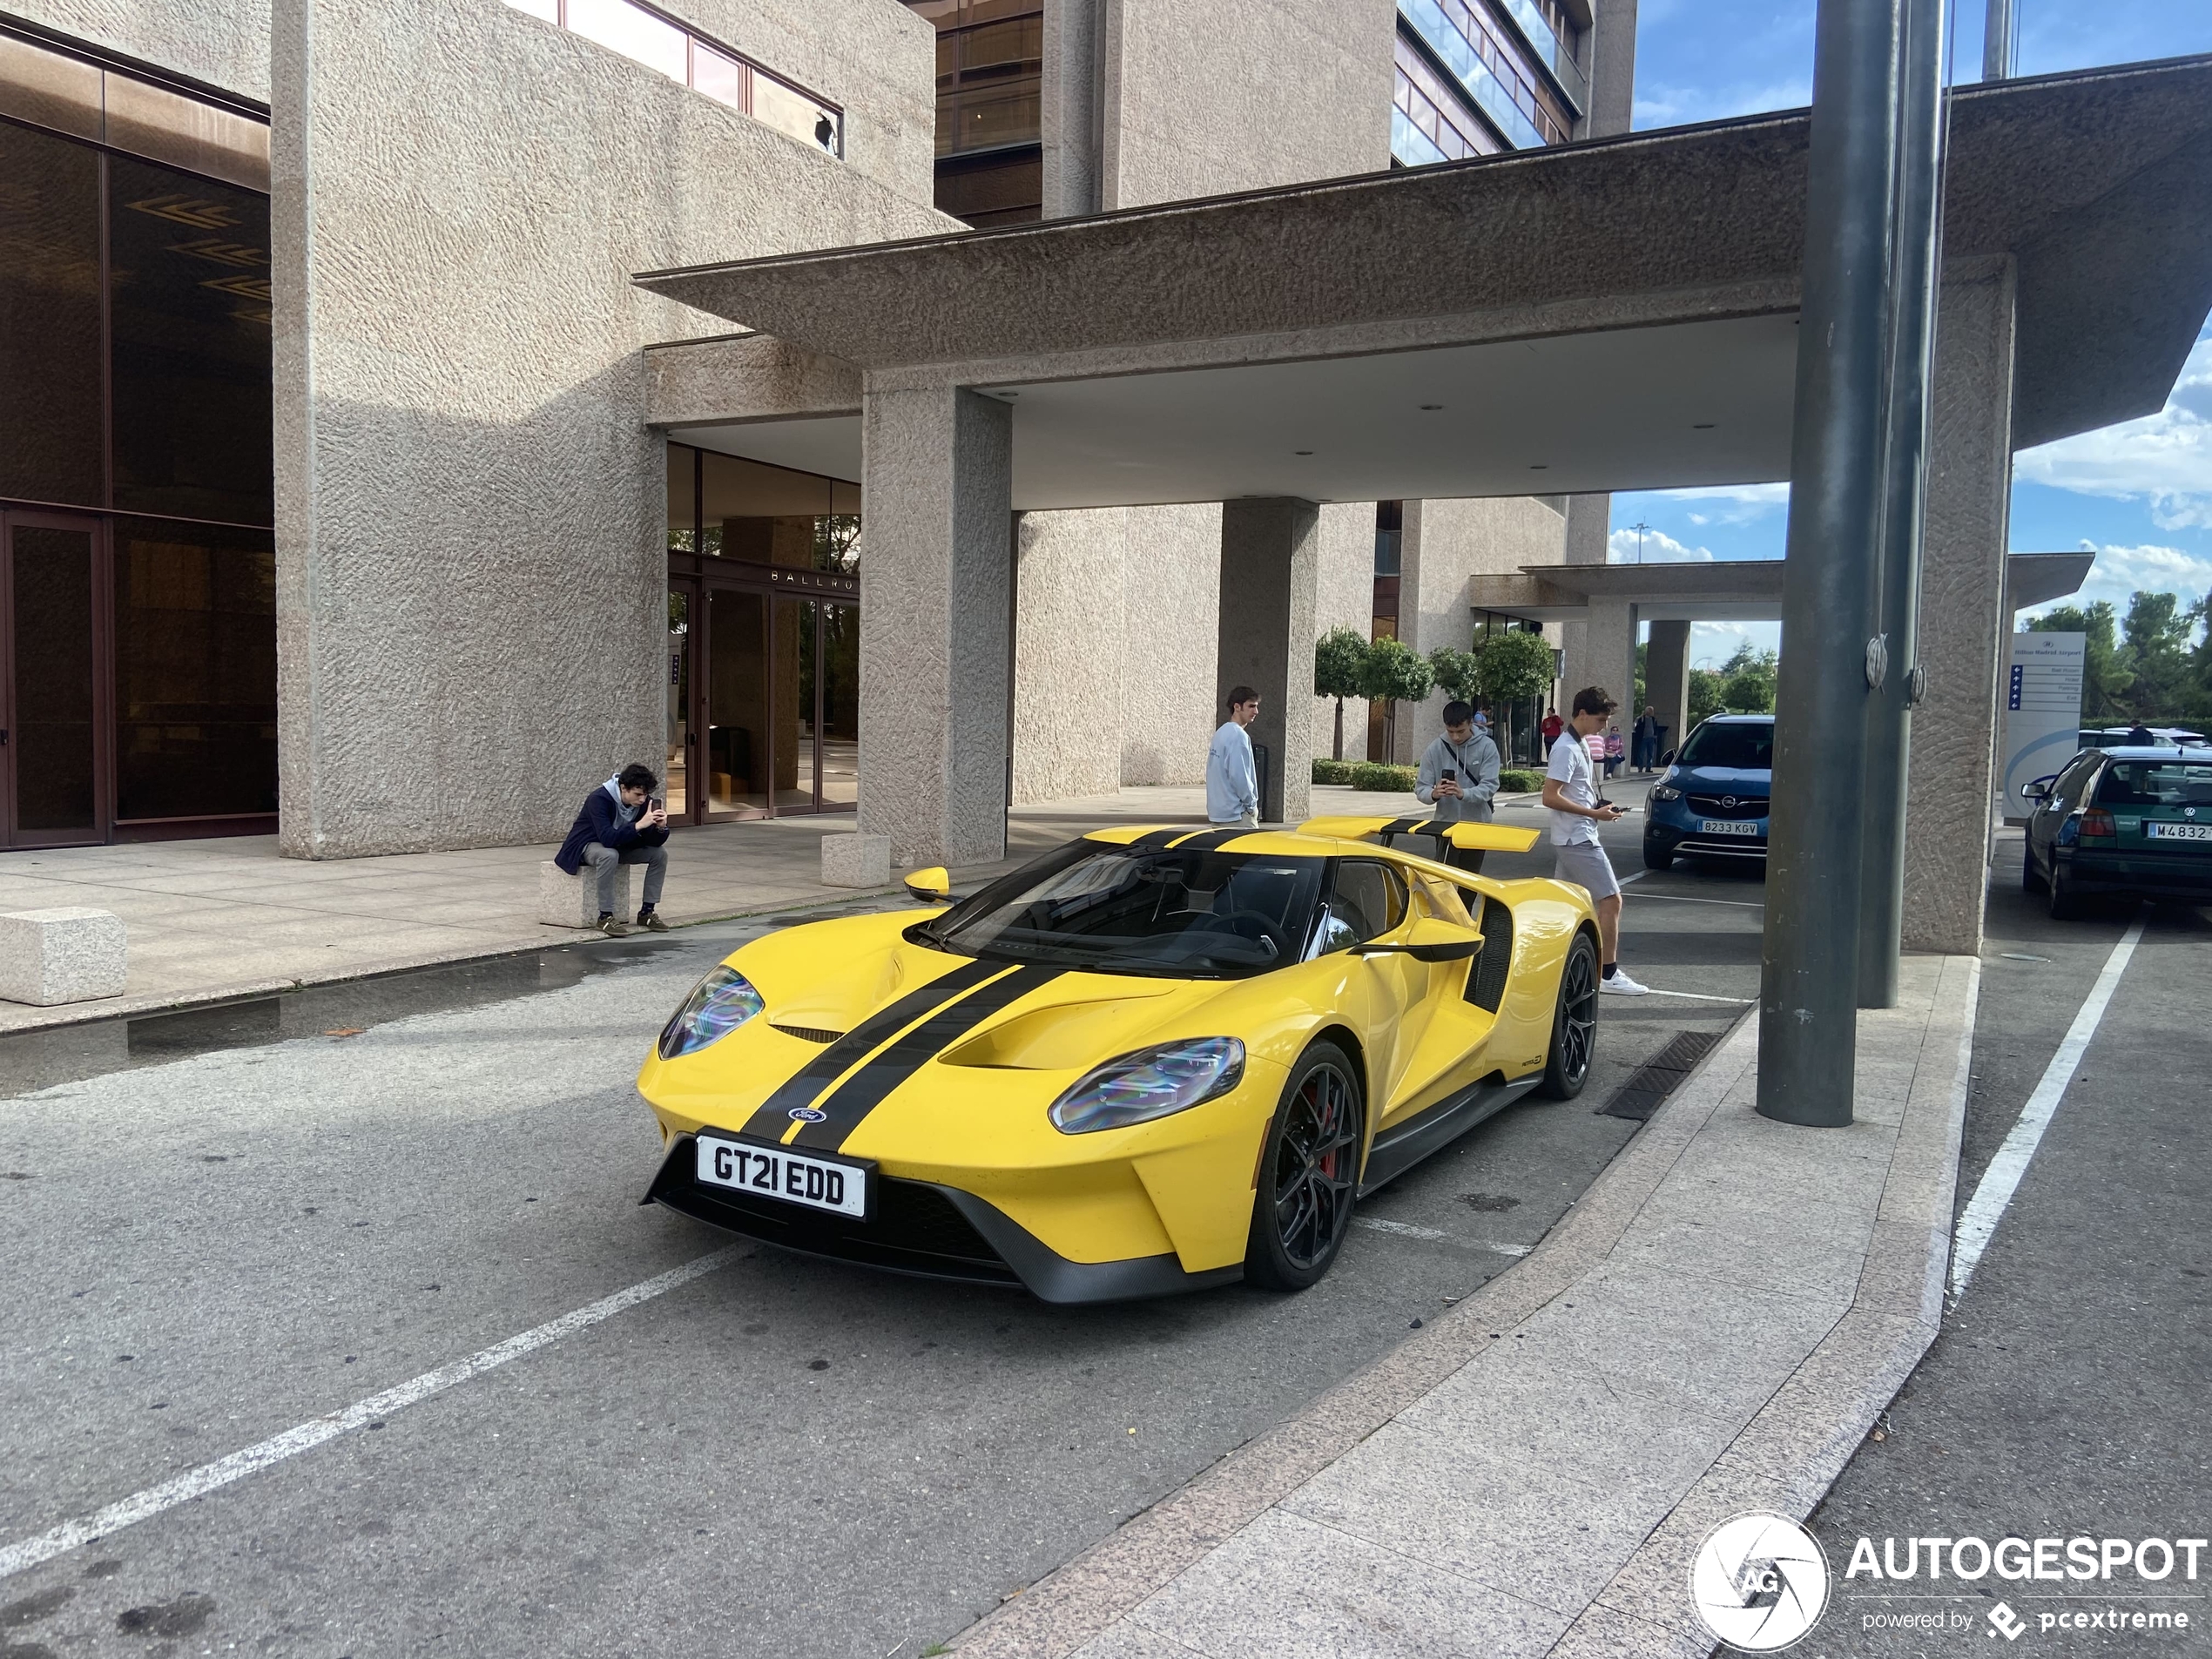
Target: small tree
(1338, 657)
(1704, 694)
(1513, 665)
(1458, 672)
(1394, 672)
(1747, 681)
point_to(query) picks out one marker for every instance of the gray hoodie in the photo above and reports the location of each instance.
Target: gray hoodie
(1476, 762)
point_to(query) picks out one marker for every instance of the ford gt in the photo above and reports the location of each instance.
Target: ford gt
(1151, 1060)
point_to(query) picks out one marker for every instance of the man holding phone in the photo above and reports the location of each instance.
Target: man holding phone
(1570, 794)
(621, 823)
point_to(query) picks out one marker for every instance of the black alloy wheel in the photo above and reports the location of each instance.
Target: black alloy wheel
(1309, 1173)
(2031, 878)
(1575, 1024)
(1656, 857)
(2065, 903)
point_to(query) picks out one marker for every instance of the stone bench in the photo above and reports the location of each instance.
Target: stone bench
(62, 955)
(565, 900)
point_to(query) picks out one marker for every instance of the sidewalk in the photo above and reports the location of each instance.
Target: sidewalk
(211, 919)
(1711, 1329)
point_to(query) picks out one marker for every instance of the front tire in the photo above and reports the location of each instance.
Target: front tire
(1309, 1173)
(2064, 904)
(2031, 878)
(1574, 1023)
(1658, 857)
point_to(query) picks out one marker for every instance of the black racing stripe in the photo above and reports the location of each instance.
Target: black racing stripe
(867, 1088)
(1156, 838)
(1208, 840)
(1406, 825)
(773, 1116)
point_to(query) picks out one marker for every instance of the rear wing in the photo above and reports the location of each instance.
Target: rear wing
(1467, 837)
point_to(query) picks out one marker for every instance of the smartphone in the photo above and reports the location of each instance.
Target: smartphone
(1451, 775)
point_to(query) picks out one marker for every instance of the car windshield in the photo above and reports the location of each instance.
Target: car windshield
(2155, 782)
(1745, 747)
(1156, 911)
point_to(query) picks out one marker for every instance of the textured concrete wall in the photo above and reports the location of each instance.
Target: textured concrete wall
(1612, 68)
(1344, 597)
(1071, 654)
(938, 470)
(225, 43)
(1171, 608)
(745, 378)
(1666, 672)
(1952, 776)
(470, 570)
(1447, 542)
(1203, 100)
(1270, 556)
(1070, 116)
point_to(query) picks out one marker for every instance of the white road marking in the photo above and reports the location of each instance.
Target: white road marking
(2002, 1178)
(1406, 1229)
(194, 1483)
(1701, 997)
(1684, 898)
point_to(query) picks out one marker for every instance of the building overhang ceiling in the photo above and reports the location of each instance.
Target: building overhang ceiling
(1612, 314)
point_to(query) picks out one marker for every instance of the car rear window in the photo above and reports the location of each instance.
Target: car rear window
(1748, 747)
(2155, 782)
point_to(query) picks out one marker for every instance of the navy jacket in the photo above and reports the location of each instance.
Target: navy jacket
(599, 821)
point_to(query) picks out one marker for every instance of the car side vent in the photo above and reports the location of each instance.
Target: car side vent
(808, 1033)
(1487, 985)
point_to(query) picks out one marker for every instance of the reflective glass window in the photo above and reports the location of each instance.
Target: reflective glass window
(636, 35)
(790, 110)
(683, 498)
(188, 279)
(720, 77)
(195, 670)
(50, 318)
(50, 578)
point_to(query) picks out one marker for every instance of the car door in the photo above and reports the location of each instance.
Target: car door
(1448, 1053)
(1386, 994)
(2067, 793)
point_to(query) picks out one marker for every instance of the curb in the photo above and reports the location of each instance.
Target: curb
(1784, 1459)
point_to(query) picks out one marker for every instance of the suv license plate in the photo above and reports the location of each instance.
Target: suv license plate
(778, 1172)
(1728, 827)
(2179, 831)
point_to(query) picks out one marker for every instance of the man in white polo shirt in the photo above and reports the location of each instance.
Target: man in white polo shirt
(1570, 793)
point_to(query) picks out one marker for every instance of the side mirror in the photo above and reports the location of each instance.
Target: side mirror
(2038, 789)
(1431, 939)
(932, 885)
(1667, 758)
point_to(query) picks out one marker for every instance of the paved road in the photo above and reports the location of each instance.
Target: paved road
(2068, 1394)
(224, 1225)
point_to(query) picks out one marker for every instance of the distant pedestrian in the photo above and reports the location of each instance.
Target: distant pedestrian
(2140, 736)
(1232, 781)
(1647, 737)
(621, 823)
(1570, 793)
(1552, 727)
(1613, 750)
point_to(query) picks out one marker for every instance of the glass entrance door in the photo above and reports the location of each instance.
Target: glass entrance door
(734, 758)
(52, 769)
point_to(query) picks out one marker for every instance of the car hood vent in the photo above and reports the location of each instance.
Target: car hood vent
(807, 1033)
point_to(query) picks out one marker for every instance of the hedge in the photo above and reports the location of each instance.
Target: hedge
(1362, 774)
(1520, 783)
(1332, 772)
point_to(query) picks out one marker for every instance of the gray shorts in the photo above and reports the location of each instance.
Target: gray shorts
(1584, 864)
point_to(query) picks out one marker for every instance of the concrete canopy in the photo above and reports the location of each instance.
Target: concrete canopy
(1190, 351)
(1715, 589)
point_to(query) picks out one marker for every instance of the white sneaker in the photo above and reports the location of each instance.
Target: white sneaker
(1619, 984)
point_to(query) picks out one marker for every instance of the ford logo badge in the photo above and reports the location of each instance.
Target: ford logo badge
(807, 1115)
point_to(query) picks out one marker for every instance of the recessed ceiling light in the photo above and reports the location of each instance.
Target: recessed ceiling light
(1701, 426)
(1541, 465)
(1301, 452)
(1432, 406)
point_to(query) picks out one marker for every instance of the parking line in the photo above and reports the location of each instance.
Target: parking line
(2002, 1178)
(194, 1483)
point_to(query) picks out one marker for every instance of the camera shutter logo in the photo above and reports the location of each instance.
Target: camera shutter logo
(1759, 1582)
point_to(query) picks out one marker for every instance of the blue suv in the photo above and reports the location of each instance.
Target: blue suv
(1712, 802)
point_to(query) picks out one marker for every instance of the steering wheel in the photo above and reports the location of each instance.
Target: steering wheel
(1254, 925)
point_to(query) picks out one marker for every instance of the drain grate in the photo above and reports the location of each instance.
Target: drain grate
(1657, 1077)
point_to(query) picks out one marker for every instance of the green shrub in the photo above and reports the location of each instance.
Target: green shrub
(1332, 772)
(1519, 782)
(1372, 775)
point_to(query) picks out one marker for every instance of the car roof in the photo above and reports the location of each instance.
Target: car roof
(2152, 751)
(1733, 720)
(1264, 843)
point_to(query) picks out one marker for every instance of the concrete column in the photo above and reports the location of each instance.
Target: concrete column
(1613, 69)
(936, 463)
(1589, 520)
(1951, 780)
(1666, 680)
(1072, 112)
(1608, 657)
(1270, 557)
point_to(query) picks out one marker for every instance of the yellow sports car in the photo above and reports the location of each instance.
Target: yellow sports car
(1153, 1059)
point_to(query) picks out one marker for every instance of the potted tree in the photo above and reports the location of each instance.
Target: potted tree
(1338, 657)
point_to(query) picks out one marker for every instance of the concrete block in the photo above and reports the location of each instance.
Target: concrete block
(70, 954)
(565, 900)
(856, 861)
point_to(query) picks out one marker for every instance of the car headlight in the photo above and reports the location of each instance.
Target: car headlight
(1152, 1083)
(1665, 792)
(720, 1003)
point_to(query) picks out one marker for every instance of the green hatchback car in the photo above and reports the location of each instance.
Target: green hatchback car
(2123, 820)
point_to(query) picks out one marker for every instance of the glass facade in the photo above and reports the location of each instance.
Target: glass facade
(137, 608)
(990, 71)
(662, 43)
(1477, 76)
(764, 638)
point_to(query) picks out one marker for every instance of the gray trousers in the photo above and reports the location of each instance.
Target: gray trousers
(605, 861)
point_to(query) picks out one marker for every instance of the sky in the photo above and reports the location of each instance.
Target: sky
(2139, 495)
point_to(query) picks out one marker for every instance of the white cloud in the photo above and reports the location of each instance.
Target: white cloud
(2120, 571)
(1659, 548)
(2165, 459)
(1712, 643)
(1738, 503)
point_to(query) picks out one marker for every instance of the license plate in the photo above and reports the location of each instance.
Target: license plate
(778, 1172)
(1728, 827)
(2179, 831)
